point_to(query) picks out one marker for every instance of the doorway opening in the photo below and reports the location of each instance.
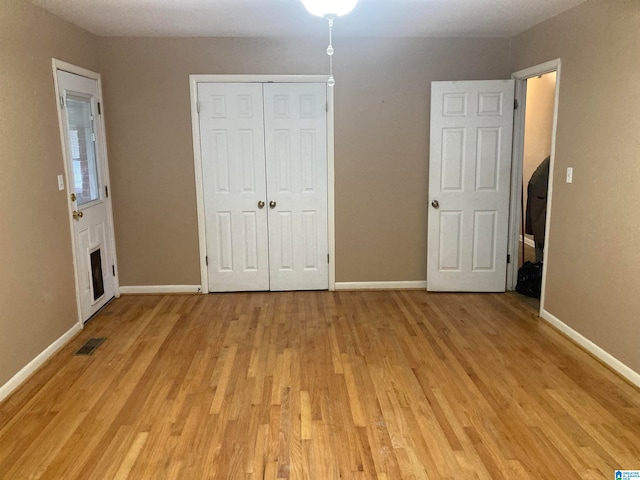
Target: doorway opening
(534, 135)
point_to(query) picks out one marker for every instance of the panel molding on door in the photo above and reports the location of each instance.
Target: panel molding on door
(265, 186)
(296, 154)
(469, 185)
(233, 174)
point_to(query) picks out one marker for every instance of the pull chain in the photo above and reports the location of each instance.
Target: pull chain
(331, 81)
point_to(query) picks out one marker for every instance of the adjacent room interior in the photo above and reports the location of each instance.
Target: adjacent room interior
(373, 376)
(538, 132)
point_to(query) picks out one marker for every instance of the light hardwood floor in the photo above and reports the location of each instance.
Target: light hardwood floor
(320, 385)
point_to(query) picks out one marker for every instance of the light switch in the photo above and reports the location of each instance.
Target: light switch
(60, 182)
(569, 174)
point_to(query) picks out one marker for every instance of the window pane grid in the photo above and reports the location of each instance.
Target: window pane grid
(83, 154)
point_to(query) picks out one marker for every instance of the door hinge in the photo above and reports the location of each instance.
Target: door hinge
(106, 190)
(206, 261)
(61, 101)
(508, 258)
(327, 258)
(515, 104)
(113, 270)
(99, 110)
(326, 106)
(198, 106)
(93, 137)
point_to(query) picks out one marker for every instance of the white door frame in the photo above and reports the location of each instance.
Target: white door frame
(521, 77)
(67, 67)
(197, 159)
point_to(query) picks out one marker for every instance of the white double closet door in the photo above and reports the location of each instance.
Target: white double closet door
(264, 172)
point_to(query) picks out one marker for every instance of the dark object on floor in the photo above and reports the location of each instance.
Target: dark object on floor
(89, 347)
(530, 279)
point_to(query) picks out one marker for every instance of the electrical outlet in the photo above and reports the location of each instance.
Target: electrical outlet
(569, 174)
(60, 182)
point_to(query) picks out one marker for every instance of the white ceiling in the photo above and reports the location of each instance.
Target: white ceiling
(288, 18)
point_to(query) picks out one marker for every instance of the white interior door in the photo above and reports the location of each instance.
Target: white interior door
(86, 167)
(264, 173)
(233, 175)
(296, 152)
(469, 182)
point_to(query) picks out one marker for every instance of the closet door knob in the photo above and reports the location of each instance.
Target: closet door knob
(260, 204)
(272, 204)
(435, 204)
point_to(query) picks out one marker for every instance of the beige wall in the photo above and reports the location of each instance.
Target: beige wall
(37, 293)
(593, 255)
(538, 125)
(148, 122)
(382, 147)
(381, 156)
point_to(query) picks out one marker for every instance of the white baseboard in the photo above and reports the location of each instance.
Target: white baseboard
(160, 289)
(595, 350)
(37, 362)
(410, 285)
(528, 241)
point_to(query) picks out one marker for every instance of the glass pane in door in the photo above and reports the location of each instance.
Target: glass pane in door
(83, 152)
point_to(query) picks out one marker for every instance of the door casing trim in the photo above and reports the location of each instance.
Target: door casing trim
(67, 67)
(194, 80)
(517, 159)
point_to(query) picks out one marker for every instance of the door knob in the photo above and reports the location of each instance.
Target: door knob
(435, 204)
(261, 204)
(272, 204)
(77, 214)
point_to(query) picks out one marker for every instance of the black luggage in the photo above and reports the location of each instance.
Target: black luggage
(530, 279)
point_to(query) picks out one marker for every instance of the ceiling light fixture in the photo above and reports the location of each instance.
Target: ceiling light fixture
(329, 9)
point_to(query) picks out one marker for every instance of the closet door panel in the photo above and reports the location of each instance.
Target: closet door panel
(296, 167)
(234, 181)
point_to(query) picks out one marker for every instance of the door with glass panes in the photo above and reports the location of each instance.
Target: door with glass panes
(87, 190)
